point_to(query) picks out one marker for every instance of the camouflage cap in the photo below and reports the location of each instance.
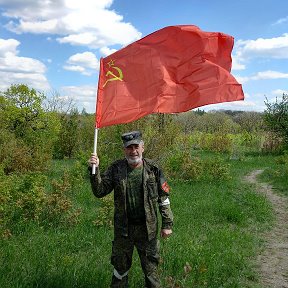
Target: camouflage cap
(133, 137)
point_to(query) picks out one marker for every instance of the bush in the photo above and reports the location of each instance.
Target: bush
(272, 143)
(25, 198)
(105, 212)
(21, 200)
(276, 117)
(181, 165)
(216, 142)
(58, 207)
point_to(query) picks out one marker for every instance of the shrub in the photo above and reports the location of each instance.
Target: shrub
(276, 117)
(216, 142)
(216, 169)
(181, 165)
(272, 143)
(21, 200)
(14, 154)
(58, 208)
(105, 212)
(25, 198)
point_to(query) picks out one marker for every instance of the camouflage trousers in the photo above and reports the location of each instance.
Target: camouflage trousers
(121, 259)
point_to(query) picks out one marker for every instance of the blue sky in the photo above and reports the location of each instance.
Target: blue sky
(55, 45)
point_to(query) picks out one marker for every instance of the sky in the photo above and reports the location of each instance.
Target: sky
(54, 46)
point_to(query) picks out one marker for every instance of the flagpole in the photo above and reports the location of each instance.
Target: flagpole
(96, 128)
(95, 147)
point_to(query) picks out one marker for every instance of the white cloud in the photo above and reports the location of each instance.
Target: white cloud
(37, 81)
(241, 79)
(85, 63)
(281, 21)
(246, 105)
(279, 92)
(75, 68)
(15, 69)
(236, 64)
(251, 102)
(86, 92)
(262, 75)
(86, 23)
(269, 75)
(107, 51)
(87, 59)
(30, 10)
(49, 26)
(8, 46)
(269, 48)
(83, 96)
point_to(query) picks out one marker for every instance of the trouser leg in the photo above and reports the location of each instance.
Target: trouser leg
(149, 256)
(116, 283)
(121, 259)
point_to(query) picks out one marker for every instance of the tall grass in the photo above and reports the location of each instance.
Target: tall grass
(277, 175)
(215, 241)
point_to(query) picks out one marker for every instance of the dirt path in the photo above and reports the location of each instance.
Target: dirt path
(273, 262)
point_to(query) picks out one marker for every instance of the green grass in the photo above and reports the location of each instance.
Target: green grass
(277, 175)
(216, 240)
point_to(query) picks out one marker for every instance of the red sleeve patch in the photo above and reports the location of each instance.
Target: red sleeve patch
(165, 187)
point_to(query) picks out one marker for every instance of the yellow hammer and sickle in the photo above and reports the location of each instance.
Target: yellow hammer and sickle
(114, 77)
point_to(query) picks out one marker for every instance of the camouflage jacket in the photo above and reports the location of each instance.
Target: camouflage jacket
(156, 195)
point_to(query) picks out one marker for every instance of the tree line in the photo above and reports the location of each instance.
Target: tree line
(35, 129)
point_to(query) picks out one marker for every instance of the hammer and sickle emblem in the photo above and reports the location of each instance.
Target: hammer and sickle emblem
(113, 77)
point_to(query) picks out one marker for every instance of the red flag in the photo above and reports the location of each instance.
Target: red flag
(172, 70)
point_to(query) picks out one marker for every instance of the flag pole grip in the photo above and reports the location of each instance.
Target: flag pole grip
(95, 149)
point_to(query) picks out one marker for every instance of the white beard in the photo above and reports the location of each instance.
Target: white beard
(134, 161)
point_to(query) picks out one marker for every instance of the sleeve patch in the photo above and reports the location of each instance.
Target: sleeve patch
(165, 187)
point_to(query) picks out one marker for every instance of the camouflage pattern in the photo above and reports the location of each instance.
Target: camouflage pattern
(148, 252)
(155, 193)
(133, 137)
(134, 196)
(126, 236)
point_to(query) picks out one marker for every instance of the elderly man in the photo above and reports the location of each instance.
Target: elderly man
(140, 190)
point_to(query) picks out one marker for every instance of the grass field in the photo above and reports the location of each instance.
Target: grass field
(215, 242)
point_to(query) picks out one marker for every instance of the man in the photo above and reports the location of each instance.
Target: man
(140, 189)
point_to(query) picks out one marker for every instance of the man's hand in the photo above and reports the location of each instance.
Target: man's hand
(165, 233)
(93, 160)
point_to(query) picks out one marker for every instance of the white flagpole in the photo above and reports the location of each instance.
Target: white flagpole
(96, 129)
(95, 147)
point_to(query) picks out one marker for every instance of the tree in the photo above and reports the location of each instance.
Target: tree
(58, 104)
(217, 122)
(189, 121)
(21, 108)
(276, 117)
(27, 132)
(68, 138)
(249, 121)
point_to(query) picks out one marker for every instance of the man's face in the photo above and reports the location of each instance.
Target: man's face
(133, 153)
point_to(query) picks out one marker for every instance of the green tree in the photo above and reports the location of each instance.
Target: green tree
(276, 117)
(27, 132)
(217, 122)
(189, 121)
(22, 109)
(68, 138)
(249, 121)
